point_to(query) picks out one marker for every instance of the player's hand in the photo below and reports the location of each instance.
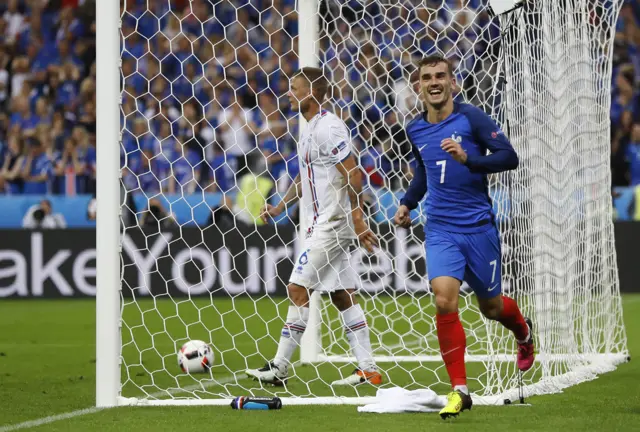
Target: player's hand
(454, 149)
(366, 237)
(268, 212)
(403, 217)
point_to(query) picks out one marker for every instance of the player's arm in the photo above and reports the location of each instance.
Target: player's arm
(418, 186)
(415, 193)
(335, 149)
(502, 158)
(353, 175)
(293, 194)
(291, 197)
(487, 133)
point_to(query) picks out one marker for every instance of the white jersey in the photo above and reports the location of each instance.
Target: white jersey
(323, 144)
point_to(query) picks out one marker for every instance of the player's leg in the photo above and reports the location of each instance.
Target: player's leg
(309, 265)
(453, 343)
(294, 326)
(445, 265)
(313, 270)
(484, 275)
(357, 332)
(505, 310)
(276, 372)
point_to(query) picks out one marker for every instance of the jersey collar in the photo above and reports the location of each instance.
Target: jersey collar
(456, 110)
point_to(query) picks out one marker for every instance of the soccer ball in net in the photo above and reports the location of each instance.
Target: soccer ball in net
(195, 356)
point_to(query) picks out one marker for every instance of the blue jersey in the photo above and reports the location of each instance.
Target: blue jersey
(633, 156)
(40, 164)
(458, 197)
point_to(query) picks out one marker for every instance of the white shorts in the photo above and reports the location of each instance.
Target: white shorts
(323, 265)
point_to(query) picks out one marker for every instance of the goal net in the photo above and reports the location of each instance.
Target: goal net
(208, 136)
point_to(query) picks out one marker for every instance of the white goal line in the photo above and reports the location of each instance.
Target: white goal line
(81, 412)
(598, 364)
(479, 358)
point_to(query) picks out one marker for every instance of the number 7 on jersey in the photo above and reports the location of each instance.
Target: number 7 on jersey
(443, 168)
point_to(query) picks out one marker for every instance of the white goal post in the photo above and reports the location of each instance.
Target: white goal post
(108, 95)
(542, 71)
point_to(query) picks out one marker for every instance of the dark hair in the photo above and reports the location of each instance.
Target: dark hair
(628, 73)
(317, 82)
(33, 142)
(435, 59)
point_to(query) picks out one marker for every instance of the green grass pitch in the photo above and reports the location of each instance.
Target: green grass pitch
(47, 367)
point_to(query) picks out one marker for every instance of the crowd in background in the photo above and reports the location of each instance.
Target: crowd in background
(625, 100)
(47, 97)
(222, 93)
(205, 87)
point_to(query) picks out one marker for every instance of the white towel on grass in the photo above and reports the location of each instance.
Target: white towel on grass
(399, 400)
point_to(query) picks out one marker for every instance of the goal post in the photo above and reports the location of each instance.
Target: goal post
(186, 93)
(108, 94)
(308, 25)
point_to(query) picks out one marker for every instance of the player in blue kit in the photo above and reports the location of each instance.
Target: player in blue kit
(450, 143)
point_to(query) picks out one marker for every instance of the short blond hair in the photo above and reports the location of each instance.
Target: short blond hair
(316, 80)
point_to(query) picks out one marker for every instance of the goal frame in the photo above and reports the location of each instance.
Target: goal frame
(108, 241)
(108, 237)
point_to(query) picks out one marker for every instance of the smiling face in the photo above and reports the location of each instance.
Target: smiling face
(436, 84)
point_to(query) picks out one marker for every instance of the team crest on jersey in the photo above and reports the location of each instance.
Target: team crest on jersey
(456, 138)
(304, 258)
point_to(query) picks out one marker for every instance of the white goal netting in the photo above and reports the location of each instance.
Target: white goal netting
(208, 136)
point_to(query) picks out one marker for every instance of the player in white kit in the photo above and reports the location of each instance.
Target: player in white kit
(329, 188)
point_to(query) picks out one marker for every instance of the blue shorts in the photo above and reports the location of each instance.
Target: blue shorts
(474, 258)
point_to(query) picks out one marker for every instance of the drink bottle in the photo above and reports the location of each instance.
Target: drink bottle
(256, 403)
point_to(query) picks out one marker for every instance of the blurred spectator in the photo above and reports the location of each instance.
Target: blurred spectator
(67, 170)
(22, 118)
(20, 73)
(236, 131)
(633, 156)
(395, 153)
(625, 100)
(254, 189)
(4, 79)
(156, 217)
(222, 176)
(92, 209)
(185, 169)
(41, 216)
(37, 169)
(274, 141)
(11, 172)
(14, 19)
(86, 156)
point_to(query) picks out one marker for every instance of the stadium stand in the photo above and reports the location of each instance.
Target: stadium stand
(223, 98)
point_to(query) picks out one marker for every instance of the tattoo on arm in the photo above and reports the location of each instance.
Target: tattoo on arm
(352, 173)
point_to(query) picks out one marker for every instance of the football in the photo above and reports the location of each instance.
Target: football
(195, 356)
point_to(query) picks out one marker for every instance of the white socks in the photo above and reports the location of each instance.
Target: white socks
(355, 326)
(296, 324)
(462, 389)
(357, 331)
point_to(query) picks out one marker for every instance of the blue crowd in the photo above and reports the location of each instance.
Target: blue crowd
(47, 97)
(625, 101)
(205, 87)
